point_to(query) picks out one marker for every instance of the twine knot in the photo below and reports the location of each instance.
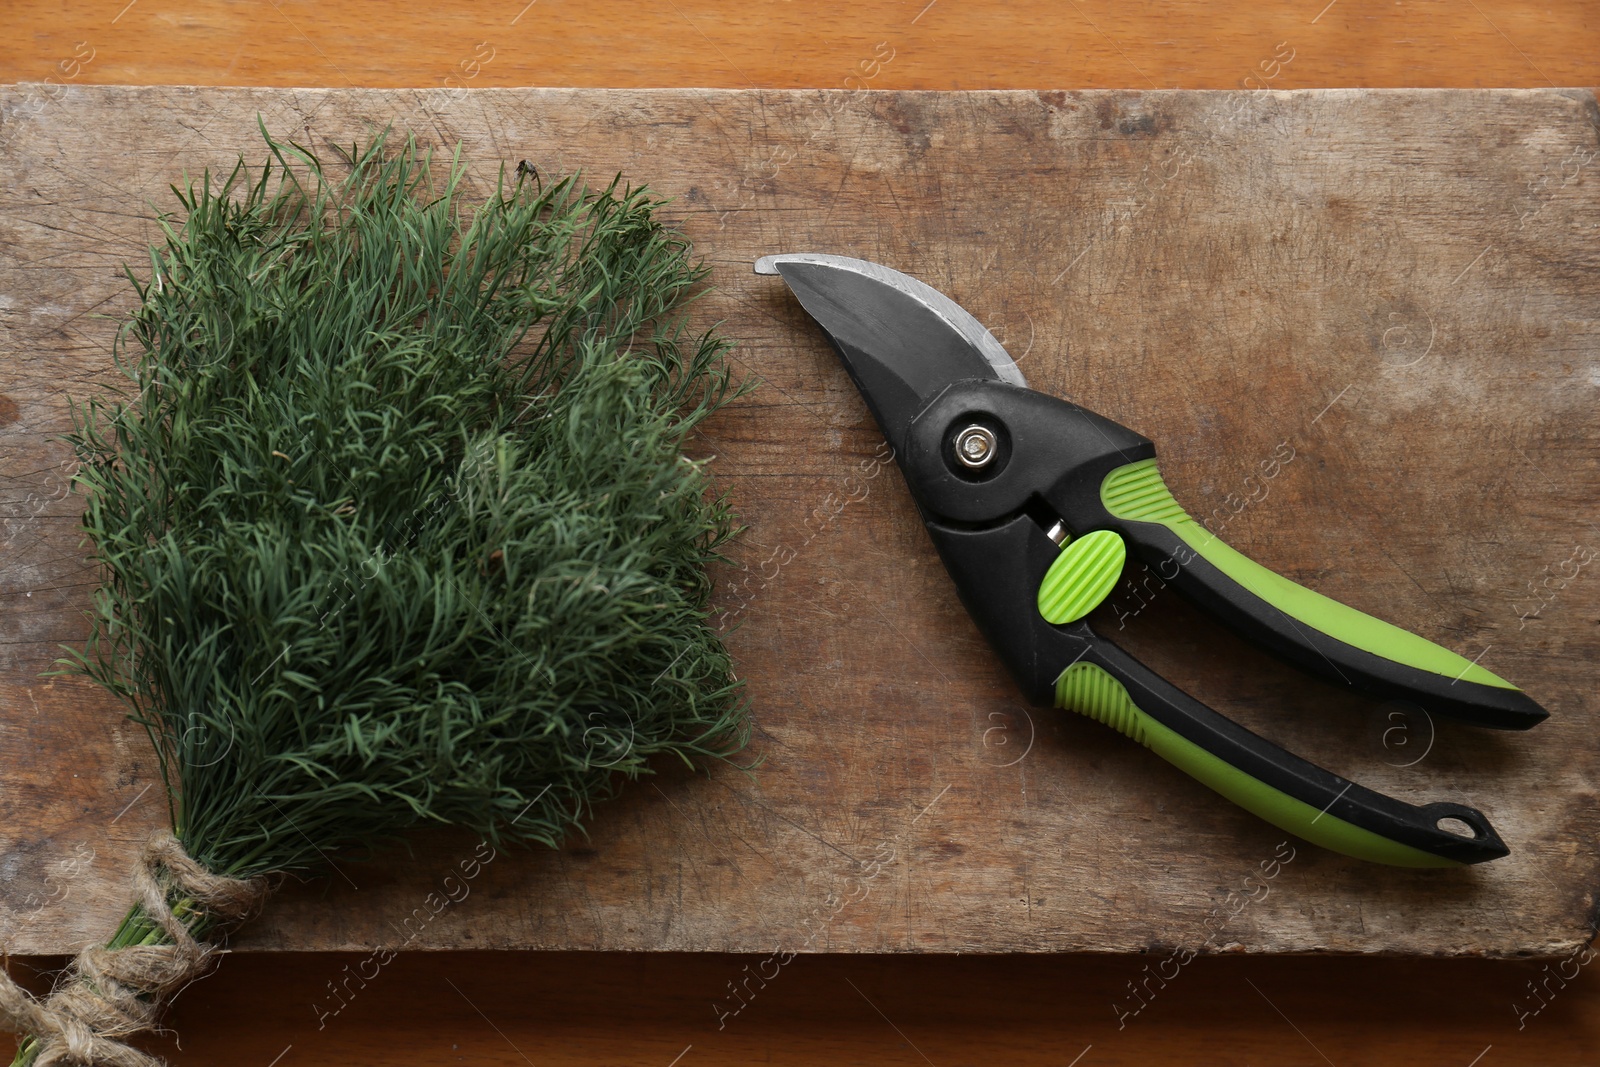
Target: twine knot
(111, 993)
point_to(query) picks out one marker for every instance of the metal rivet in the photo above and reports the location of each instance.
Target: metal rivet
(975, 446)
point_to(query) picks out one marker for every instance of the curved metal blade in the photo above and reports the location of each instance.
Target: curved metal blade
(901, 340)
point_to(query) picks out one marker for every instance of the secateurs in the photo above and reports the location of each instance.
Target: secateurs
(1034, 504)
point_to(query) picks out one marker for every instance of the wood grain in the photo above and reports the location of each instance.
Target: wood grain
(944, 44)
(1379, 282)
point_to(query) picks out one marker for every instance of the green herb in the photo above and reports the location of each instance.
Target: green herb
(396, 525)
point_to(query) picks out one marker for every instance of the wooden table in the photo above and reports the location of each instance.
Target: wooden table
(497, 1008)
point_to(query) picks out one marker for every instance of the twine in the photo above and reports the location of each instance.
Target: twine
(112, 993)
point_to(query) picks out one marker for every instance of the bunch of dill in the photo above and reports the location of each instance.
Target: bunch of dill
(393, 517)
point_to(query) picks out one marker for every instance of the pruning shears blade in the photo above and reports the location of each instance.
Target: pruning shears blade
(901, 340)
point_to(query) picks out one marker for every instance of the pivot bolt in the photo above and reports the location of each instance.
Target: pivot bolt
(975, 447)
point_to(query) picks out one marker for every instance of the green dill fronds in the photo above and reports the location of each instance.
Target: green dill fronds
(394, 519)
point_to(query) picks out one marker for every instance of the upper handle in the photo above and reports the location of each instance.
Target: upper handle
(1094, 474)
(1321, 636)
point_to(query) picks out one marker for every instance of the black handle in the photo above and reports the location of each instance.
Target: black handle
(1107, 684)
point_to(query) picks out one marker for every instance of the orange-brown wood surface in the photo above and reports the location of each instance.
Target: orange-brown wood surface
(943, 44)
(554, 1008)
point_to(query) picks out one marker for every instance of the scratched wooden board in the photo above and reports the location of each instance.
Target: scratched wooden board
(1361, 326)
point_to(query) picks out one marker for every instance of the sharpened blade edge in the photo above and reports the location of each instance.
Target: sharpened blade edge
(957, 317)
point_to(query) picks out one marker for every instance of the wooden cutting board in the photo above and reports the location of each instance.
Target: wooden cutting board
(1363, 328)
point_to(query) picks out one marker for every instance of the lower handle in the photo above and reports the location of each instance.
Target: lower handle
(1112, 687)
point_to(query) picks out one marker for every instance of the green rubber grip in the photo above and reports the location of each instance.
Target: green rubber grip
(1092, 691)
(1137, 492)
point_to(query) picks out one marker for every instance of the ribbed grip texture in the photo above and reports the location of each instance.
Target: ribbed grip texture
(1081, 577)
(1089, 690)
(1137, 492)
